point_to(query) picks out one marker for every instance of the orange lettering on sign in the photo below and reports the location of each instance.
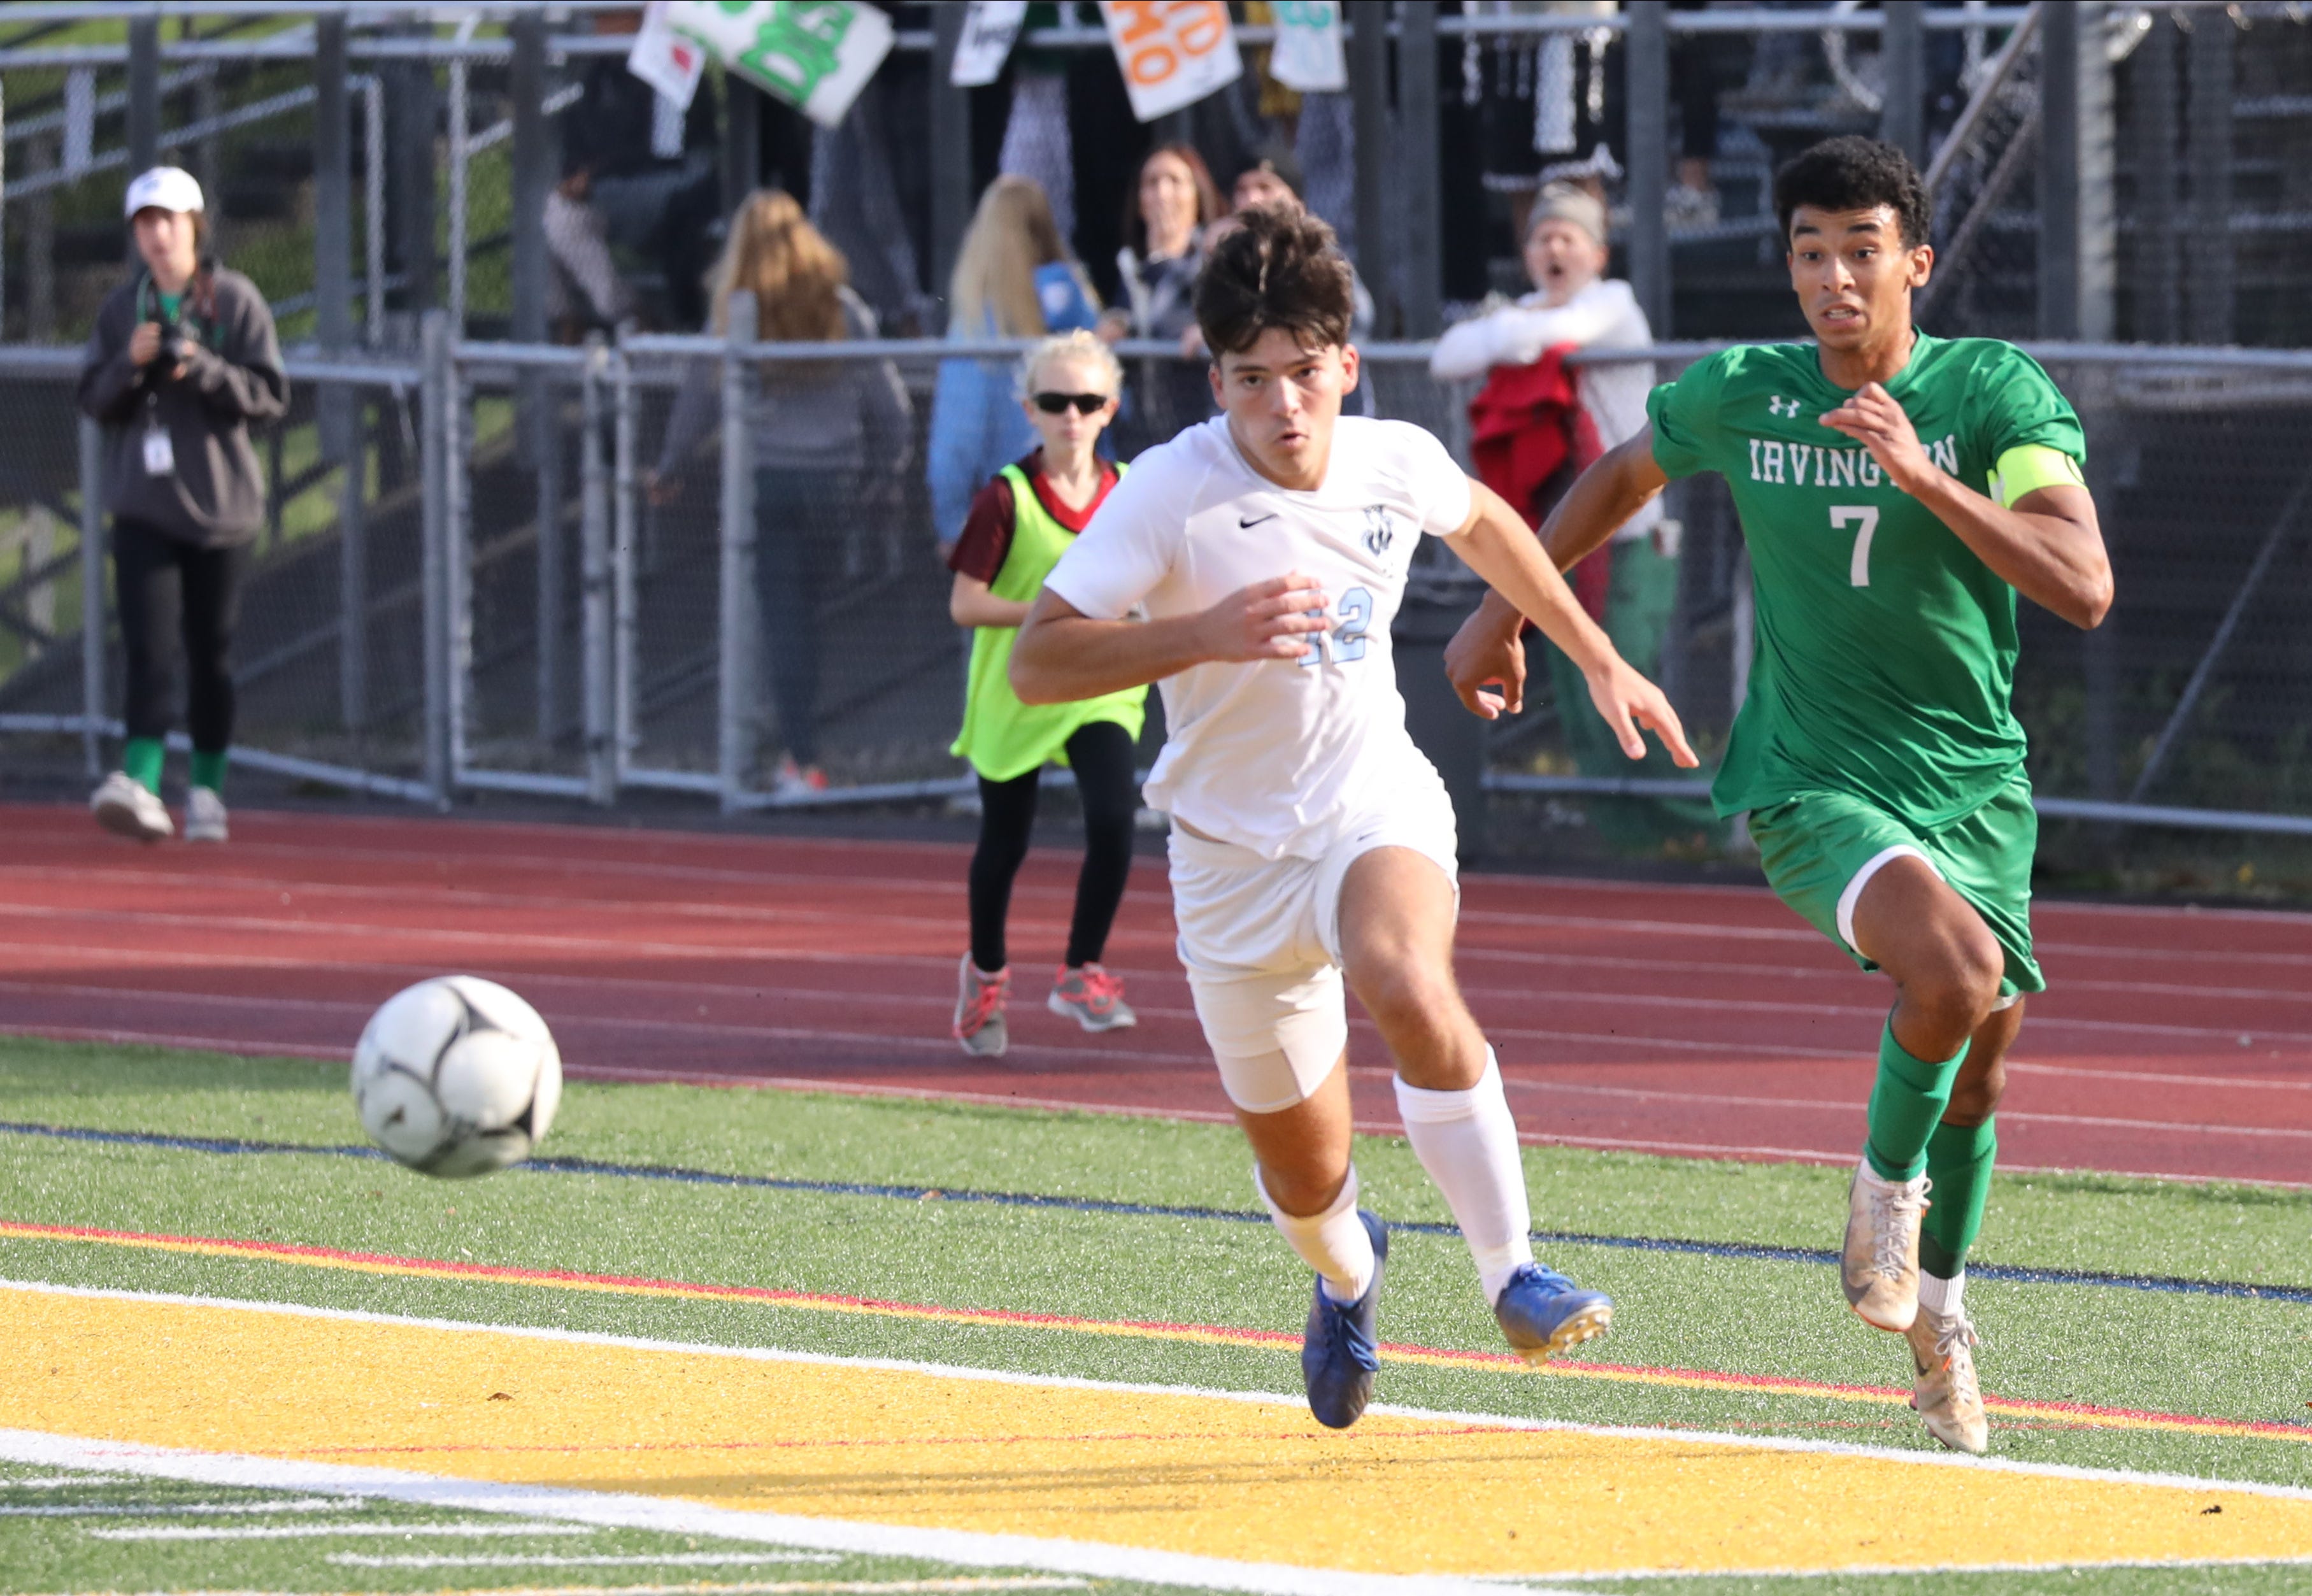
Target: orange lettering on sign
(1153, 64)
(1200, 25)
(1141, 20)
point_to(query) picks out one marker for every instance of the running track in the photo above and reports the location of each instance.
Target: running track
(1692, 1019)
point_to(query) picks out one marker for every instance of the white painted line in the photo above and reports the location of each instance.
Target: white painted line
(553, 1560)
(160, 1510)
(608, 1510)
(314, 1532)
(57, 1482)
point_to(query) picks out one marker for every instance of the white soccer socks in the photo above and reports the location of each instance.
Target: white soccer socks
(1945, 1299)
(1335, 1243)
(1467, 1141)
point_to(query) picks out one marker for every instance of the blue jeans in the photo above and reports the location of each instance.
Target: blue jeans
(795, 518)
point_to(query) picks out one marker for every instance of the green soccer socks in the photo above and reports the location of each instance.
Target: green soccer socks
(1958, 1161)
(141, 758)
(1906, 1104)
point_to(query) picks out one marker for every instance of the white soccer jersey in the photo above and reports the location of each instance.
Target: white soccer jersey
(1276, 755)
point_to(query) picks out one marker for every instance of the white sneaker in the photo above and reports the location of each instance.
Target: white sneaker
(124, 804)
(1882, 1248)
(1946, 1392)
(205, 816)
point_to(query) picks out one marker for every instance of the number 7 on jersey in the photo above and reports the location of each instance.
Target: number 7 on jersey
(1857, 572)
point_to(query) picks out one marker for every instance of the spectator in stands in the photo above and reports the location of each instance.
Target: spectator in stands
(584, 287)
(639, 174)
(1574, 305)
(1273, 177)
(1696, 62)
(1019, 525)
(1013, 279)
(828, 436)
(1171, 205)
(182, 360)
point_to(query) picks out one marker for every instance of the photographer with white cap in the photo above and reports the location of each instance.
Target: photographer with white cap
(182, 359)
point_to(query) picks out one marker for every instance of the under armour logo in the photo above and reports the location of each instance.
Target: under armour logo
(1379, 532)
(1775, 406)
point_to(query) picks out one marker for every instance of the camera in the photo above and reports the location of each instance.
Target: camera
(174, 346)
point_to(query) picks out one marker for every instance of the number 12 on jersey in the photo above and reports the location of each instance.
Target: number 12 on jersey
(1865, 516)
(1346, 641)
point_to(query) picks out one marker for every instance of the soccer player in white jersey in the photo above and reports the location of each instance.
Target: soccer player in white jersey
(1267, 548)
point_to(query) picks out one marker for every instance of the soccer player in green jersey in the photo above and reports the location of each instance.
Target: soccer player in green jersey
(1897, 491)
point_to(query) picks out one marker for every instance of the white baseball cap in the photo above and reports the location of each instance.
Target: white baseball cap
(164, 188)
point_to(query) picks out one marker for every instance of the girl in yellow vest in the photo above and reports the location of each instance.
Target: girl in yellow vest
(1019, 526)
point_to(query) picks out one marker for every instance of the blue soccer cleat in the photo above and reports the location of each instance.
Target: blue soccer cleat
(1541, 1311)
(1337, 1359)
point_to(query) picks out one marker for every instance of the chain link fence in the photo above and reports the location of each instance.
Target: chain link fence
(330, 673)
(707, 567)
(603, 564)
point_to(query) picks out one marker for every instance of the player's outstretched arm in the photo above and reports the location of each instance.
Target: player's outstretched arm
(1063, 654)
(1496, 545)
(1486, 650)
(2048, 546)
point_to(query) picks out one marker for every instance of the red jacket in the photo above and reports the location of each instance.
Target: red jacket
(1525, 425)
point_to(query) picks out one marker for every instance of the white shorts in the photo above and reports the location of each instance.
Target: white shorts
(1261, 941)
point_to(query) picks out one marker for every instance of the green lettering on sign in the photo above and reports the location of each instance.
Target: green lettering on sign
(797, 45)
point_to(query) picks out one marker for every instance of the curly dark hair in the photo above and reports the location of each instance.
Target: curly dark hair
(1853, 173)
(1278, 267)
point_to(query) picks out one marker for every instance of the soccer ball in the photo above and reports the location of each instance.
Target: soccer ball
(457, 1077)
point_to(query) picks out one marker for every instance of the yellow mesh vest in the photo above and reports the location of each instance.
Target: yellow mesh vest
(1001, 737)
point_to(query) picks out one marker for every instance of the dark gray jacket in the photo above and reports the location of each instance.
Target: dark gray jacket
(215, 496)
(846, 415)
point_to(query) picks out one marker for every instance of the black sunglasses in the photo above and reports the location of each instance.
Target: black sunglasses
(1087, 404)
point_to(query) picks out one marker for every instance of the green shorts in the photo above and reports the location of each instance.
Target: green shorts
(1819, 850)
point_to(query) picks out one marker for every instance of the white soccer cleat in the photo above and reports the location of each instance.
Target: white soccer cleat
(1882, 1248)
(205, 816)
(1945, 1393)
(125, 805)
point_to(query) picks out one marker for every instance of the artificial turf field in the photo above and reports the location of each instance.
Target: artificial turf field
(739, 1340)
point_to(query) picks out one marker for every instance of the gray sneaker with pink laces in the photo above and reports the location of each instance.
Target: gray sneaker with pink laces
(979, 1010)
(1091, 998)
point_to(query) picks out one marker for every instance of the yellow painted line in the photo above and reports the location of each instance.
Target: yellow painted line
(2050, 1414)
(1166, 1471)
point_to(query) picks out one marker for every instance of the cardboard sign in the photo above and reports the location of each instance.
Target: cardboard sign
(816, 54)
(1173, 52)
(665, 59)
(990, 29)
(1307, 54)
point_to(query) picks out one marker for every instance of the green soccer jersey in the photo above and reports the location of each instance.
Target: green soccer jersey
(1884, 655)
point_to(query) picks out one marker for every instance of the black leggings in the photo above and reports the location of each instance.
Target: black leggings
(166, 589)
(1100, 754)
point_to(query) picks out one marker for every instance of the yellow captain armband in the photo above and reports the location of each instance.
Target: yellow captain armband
(2030, 467)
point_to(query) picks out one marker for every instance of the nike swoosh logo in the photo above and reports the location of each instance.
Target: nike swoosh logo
(1256, 519)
